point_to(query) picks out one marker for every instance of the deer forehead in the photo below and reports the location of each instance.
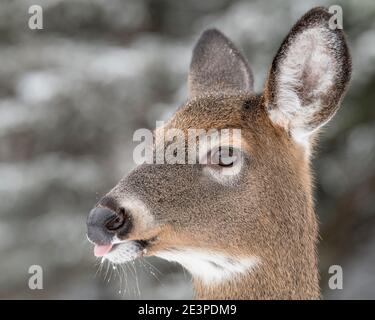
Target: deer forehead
(214, 113)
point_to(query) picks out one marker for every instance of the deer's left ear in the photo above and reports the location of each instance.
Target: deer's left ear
(218, 67)
(308, 76)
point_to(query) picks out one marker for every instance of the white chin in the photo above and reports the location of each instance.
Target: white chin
(124, 252)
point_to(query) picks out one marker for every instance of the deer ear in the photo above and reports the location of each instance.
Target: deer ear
(217, 67)
(308, 76)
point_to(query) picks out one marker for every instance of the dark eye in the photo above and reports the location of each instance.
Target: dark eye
(224, 157)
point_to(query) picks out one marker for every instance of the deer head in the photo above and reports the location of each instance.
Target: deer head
(247, 228)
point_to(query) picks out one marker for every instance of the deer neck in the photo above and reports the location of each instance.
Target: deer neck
(290, 272)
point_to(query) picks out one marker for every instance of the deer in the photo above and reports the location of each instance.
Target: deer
(252, 234)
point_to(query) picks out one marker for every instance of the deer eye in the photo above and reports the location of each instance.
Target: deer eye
(224, 157)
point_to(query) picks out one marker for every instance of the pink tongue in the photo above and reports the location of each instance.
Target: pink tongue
(100, 251)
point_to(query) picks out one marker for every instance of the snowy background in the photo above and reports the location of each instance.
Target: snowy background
(72, 94)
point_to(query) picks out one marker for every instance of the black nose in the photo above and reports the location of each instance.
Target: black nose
(103, 224)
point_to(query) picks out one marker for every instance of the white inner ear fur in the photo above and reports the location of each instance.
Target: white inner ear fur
(210, 267)
(307, 55)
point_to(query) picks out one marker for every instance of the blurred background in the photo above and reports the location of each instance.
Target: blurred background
(72, 94)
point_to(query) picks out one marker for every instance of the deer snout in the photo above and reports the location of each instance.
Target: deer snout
(103, 224)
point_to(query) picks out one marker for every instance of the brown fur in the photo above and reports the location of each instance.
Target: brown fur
(267, 213)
